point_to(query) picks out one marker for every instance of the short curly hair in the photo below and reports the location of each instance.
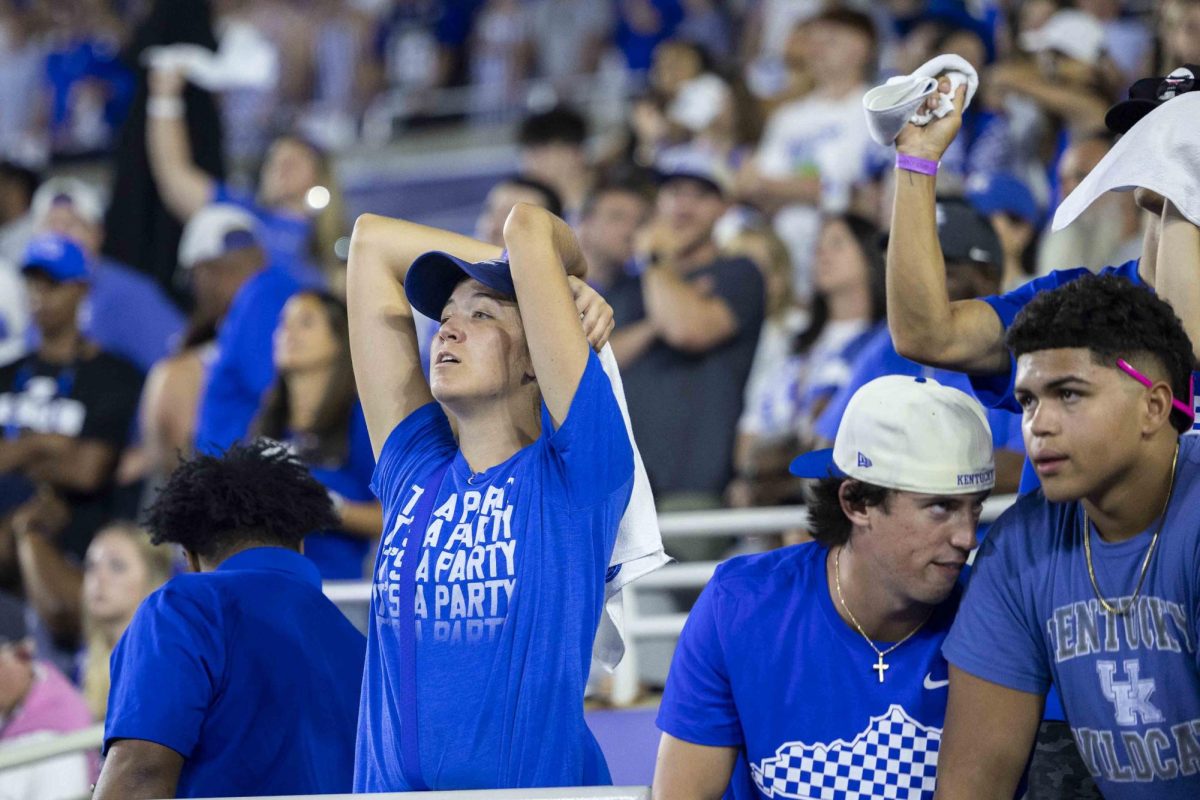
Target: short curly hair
(1114, 319)
(828, 524)
(255, 492)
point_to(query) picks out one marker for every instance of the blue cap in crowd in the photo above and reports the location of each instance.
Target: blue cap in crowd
(56, 256)
(433, 276)
(1002, 193)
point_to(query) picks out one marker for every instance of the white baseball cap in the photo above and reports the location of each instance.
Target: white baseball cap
(911, 434)
(1073, 33)
(214, 231)
(85, 199)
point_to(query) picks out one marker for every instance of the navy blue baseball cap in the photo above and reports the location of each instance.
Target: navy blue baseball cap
(433, 277)
(1005, 194)
(56, 256)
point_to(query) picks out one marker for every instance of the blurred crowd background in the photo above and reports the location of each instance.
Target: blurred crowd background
(180, 177)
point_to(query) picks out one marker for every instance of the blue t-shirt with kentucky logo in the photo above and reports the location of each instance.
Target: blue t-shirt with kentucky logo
(1130, 684)
(766, 664)
(509, 586)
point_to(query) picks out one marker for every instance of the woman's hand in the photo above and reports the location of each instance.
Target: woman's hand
(595, 314)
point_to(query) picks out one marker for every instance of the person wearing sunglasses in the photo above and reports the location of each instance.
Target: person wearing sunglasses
(1093, 583)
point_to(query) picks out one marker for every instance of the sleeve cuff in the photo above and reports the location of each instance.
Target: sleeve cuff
(987, 670)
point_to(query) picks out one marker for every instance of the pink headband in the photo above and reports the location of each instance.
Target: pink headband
(1188, 410)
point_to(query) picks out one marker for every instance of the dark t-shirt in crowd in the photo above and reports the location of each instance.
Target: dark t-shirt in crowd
(92, 398)
(685, 406)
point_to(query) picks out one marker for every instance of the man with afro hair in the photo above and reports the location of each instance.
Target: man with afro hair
(241, 678)
(1092, 583)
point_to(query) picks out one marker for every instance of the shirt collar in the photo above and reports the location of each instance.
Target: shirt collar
(274, 559)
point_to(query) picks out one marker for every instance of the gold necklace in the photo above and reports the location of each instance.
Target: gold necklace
(879, 666)
(1123, 609)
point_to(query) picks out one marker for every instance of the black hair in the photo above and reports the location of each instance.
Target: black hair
(252, 493)
(828, 524)
(25, 177)
(328, 442)
(1112, 318)
(559, 125)
(870, 243)
(643, 189)
(553, 202)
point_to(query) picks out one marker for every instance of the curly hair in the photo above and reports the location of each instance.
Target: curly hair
(255, 492)
(827, 522)
(1112, 318)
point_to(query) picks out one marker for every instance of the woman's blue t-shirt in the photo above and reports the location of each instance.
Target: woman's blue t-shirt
(509, 591)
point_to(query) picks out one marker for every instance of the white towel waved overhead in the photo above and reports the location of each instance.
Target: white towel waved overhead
(894, 104)
(1160, 153)
(244, 59)
(639, 547)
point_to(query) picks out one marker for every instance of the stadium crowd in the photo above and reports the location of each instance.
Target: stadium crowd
(174, 241)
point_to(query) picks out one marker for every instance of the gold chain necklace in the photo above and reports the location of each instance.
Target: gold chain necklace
(1123, 609)
(879, 666)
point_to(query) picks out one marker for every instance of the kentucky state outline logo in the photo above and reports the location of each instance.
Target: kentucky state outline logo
(894, 758)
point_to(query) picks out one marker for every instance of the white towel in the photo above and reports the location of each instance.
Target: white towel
(1160, 153)
(894, 104)
(244, 60)
(639, 547)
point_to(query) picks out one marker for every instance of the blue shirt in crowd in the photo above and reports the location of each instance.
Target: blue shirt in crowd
(1130, 684)
(245, 365)
(337, 554)
(509, 588)
(249, 672)
(285, 237)
(878, 358)
(767, 665)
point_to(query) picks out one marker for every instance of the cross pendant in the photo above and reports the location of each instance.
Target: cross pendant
(880, 667)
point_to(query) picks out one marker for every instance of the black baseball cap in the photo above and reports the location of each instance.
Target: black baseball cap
(1148, 94)
(966, 235)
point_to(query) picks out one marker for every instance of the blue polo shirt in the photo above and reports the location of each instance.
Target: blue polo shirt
(249, 672)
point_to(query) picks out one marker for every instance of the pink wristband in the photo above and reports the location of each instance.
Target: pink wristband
(916, 164)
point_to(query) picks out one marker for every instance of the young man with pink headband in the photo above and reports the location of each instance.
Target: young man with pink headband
(1093, 583)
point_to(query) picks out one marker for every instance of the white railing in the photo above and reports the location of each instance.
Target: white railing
(691, 575)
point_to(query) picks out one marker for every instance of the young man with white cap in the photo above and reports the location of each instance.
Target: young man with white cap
(816, 670)
(222, 245)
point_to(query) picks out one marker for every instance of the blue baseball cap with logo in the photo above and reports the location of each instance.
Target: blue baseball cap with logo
(57, 257)
(433, 277)
(1002, 193)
